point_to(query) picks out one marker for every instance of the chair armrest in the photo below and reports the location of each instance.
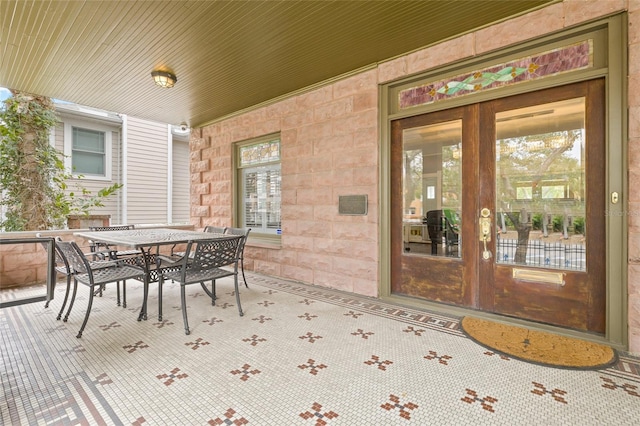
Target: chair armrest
(170, 259)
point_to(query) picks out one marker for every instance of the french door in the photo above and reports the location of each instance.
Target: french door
(500, 206)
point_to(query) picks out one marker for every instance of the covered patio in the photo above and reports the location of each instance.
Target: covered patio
(326, 338)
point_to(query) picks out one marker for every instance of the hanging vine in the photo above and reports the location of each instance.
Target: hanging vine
(33, 179)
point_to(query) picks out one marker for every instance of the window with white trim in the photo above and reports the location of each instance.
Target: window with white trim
(259, 182)
(88, 149)
(88, 155)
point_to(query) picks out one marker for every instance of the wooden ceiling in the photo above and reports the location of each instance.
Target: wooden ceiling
(227, 55)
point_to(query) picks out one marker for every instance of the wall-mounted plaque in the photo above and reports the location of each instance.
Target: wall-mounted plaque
(353, 205)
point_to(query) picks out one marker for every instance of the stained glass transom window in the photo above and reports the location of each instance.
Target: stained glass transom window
(550, 63)
(261, 153)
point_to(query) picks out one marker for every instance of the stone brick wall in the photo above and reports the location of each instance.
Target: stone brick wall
(330, 148)
(633, 208)
(26, 264)
(329, 143)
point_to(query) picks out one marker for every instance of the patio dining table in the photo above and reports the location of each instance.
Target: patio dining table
(148, 240)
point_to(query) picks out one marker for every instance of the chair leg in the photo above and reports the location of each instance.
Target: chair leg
(183, 298)
(235, 282)
(66, 297)
(160, 282)
(124, 293)
(211, 293)
(118, 293)
(145, 297)
(86, 316)
(73, 299)
(242, 269)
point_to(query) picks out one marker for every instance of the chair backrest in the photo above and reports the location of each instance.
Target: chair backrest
(245, 235)
(434, 225)
(215, 229)
(111, 228)
(61, 261)
(75, 258)
(212, 253)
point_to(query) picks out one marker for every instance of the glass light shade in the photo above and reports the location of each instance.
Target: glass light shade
(164, 79)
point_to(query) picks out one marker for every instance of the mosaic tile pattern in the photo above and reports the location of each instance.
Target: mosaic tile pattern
(300, 355)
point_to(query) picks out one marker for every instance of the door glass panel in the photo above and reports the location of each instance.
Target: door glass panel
(540, 186)
(432, 185)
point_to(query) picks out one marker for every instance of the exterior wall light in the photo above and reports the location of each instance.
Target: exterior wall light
(164, 79)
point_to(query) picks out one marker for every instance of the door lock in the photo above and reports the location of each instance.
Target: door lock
(485, 231)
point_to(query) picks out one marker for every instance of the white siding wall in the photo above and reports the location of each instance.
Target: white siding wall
(112, 205)
(180, 181)
(146, 171)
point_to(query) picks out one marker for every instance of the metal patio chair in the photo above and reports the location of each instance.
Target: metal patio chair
(104, 251)
(441, 232)
(204, 261)
(245, 233)
(215, 229)
(177, 256)
(62, 267)
(95, 277)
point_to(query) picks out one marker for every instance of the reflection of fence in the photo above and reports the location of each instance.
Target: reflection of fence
(543, 254)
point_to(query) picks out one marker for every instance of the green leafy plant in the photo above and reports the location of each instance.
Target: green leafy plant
(557, 223)
(578, 225)
(536, 221)
(33, 179)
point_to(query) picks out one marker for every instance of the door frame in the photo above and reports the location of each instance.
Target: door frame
(610, 60)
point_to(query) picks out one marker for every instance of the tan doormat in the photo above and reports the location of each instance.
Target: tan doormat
(538, 346)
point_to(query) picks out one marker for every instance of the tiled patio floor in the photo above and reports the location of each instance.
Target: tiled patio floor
(301, 355)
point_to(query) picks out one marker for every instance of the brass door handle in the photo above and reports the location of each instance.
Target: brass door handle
(485, 231)
(485, 224)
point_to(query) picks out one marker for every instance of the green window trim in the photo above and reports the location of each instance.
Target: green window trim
(257, 200)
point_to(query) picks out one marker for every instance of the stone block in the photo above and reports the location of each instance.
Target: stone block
(297, 119)
(392, 70)
(283, 257)
(266, 127)
(282, 108)
(313, 228)
(577, 11)
(365, 287)
(355, 231)
(353, 158)
(525, 27)
(200, 211)
(297, 212)
(361, 82)
(315, 164)
(199, 166)
(315, 131)
(337, 108)
(267, 268)
(315, 261)
(314, 97)
(365, 100)
(335, 281)
(314, 196)
(296, 273)
(352, 123)
(440, 54)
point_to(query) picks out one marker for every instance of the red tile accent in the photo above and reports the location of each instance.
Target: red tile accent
(404, 409)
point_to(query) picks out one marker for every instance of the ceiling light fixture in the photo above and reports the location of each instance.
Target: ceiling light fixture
(164, 79)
